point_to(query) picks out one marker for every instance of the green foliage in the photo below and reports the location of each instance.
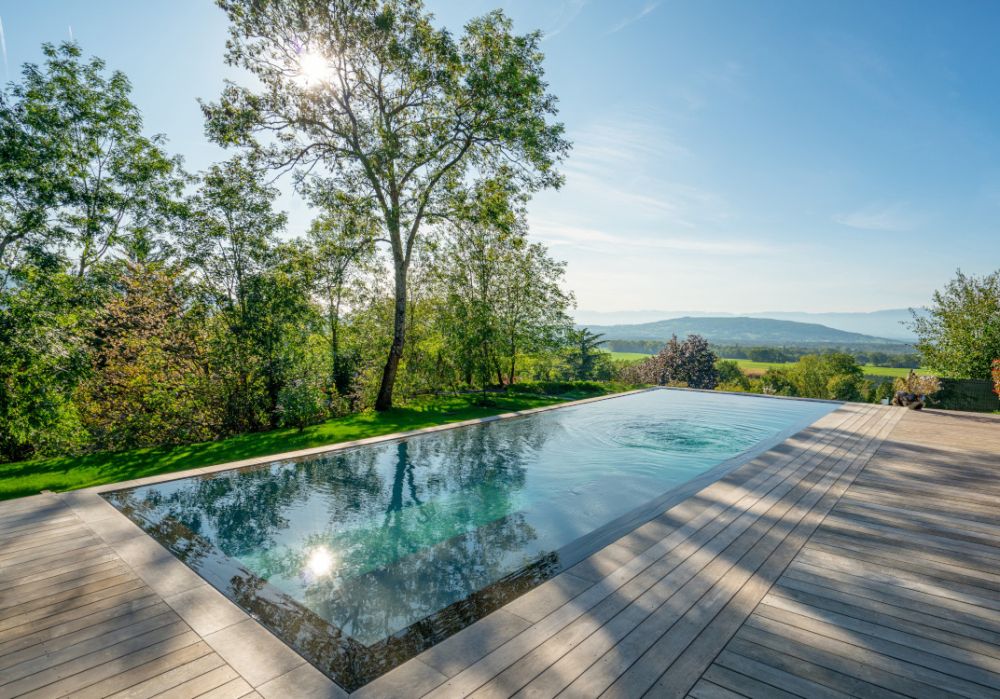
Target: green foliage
(407, 117)
(960, 335)
(730, 375)
(844, 387)
(150, 381)
(135, 314)
(301, 403)
(585, 359)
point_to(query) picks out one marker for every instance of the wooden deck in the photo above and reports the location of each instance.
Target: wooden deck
(859, 558)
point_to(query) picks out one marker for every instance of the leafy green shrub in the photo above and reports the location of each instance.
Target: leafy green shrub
(730, 375)
(844, 387)
(301, 403)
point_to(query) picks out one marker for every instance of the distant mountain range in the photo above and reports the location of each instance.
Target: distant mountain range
(889, 323)
(740, 330)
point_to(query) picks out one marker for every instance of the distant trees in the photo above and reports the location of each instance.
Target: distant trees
(689, 363)
(392, 110)
(960, 334)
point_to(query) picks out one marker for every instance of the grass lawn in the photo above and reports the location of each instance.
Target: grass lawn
(869, 369)
(631, 356)
(68, 473)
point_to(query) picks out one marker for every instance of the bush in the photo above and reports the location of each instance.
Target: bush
(778, 382)
(730, 375)
(844, 387)
(301, 403)
(689, 363)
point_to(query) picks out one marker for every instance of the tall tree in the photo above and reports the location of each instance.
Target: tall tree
(230, 238)
(392, 109)
(585, 350)
(501, 295)
(90, 177)
(960, 335)
(340, 252)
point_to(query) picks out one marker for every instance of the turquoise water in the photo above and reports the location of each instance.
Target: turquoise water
(376, 538)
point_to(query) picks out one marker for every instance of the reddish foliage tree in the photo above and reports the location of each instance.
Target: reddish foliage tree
(690, 363)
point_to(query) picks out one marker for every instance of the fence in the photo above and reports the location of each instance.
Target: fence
(965, 394)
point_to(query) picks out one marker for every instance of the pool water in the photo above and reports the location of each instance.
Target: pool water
(361, 558)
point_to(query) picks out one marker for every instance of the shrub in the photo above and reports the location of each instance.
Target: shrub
(730, 375)
(778, 382)
(689, 363)
(996, 376)
(844, 387)
(301, 403)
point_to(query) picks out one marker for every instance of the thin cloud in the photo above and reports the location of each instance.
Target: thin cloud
(596, 239)
(631, 19)
(3, 49)
(891, 218)
(568, 11)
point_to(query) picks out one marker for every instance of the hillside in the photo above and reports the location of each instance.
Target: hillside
(739, 330)
(889, 323)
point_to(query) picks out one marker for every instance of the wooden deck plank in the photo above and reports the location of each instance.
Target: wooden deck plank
(678, 664)
(898, 587)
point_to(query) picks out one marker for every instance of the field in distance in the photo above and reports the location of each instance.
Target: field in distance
(757, 368)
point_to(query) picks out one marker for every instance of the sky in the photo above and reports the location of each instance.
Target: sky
(728, 156)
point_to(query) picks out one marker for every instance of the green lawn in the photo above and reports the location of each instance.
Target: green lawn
(631, 356)
(869, 369)
(67, 473)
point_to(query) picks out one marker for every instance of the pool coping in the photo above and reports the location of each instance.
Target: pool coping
(265, 660)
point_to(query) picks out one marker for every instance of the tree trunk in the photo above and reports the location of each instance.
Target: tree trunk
(384, 400)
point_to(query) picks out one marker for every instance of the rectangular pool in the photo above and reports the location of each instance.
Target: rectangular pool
(361, 558)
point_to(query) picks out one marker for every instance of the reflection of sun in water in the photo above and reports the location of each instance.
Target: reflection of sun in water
(320, 562)
(314, 69)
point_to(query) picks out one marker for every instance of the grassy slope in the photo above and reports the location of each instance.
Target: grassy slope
(68, 473)
(631, 356)
(869, 369)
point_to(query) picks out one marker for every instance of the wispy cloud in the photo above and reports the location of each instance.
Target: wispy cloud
(555, 234)
(892, 218)
(568, 11)
(631, 19)
(621, 167)
(3, 49)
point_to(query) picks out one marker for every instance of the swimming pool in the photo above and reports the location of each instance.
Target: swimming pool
(361, 558)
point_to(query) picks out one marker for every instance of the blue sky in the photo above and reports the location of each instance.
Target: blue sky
(728, 156)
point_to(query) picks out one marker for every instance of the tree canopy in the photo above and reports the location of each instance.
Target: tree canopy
(369, 98)
(960, 335)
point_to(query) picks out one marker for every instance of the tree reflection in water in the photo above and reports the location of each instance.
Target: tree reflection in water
(391, 547)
